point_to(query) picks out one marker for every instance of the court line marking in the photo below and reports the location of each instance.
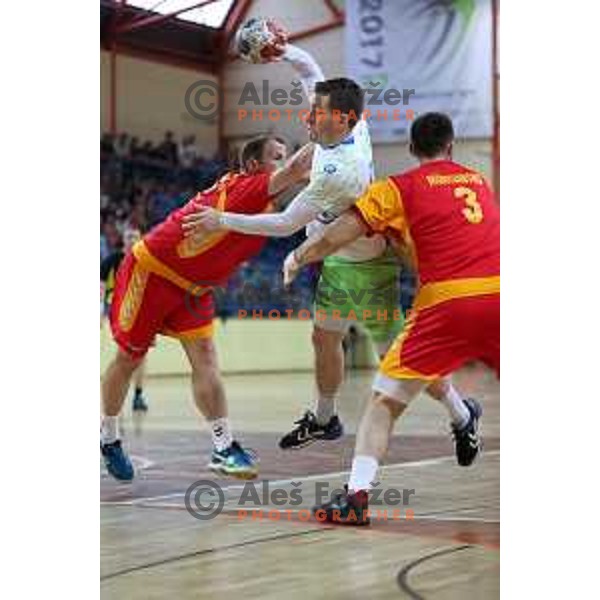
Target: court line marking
(402, 577)
(398, 466)
(144, 463)
(188, 555)
(141, 463)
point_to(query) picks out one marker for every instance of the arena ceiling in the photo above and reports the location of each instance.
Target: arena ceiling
(189, 33)
(185, 32)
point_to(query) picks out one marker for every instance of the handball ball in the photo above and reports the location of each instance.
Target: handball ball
(260, 40)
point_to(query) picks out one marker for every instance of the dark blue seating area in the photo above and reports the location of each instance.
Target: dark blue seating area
(258, 285)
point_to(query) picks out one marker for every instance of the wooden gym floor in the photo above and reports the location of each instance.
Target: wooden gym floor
(153, 548)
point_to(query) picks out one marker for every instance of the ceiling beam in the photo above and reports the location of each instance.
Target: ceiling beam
(335, 11)
(300, 35)
(156, 19)
(234, 19)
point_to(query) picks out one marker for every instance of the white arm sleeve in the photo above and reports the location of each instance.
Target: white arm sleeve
(306, 67)
(298, 214)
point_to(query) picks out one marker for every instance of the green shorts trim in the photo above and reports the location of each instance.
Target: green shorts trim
(366, 292)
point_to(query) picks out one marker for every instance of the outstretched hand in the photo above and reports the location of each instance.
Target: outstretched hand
(204, 219)
(291, 268)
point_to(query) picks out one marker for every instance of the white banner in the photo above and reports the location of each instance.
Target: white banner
(422, 55)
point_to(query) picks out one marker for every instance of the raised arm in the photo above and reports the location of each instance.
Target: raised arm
(305, 65)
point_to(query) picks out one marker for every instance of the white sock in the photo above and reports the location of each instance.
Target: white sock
(221, 434)
(325, 407)
(109, 430)
(364, 471)
(459, 413)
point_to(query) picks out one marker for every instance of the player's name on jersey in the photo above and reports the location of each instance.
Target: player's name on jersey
(434, 180)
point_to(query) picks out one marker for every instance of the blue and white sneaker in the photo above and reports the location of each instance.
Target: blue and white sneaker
(116, 461)
(234, 461)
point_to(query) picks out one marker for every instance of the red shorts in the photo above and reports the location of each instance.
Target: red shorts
(439, 339)
(145, 304)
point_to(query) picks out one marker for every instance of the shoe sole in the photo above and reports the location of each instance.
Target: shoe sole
(123, 481)
(117, 479)
(310, 441)
(303, 444)
(236, 474)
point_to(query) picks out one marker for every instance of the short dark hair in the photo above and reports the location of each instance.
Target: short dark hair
(345, 95)
(431, 134)
(253, 150)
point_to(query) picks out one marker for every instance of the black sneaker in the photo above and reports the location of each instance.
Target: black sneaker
(348, 508)
(308, 430)
(139, 403)
(466, 440)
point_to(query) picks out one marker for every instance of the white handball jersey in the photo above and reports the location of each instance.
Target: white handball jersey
(339, 175)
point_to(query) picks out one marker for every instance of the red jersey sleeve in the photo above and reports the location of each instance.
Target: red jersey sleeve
(250, 194)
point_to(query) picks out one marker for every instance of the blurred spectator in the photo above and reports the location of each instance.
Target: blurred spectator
(134, 148)
(147, 150)
(138, 219)
(112, 236)
(168, 149)
(104, 252)
(104, 195)
(188, 153)
(162, 203)
(121, 146)
(106, 143)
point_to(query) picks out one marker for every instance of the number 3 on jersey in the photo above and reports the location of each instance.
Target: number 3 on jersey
(472, 211)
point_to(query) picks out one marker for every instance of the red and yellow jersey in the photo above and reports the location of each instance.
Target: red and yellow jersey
(448, 216)
(209, 258)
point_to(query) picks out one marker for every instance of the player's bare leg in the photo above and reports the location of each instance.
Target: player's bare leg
(228, 456)
(139, 401)
(443, 391)
(209, 395)
(377, 423)
(115, 384)
(323, 422)
(329, 370)
(387, 402)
